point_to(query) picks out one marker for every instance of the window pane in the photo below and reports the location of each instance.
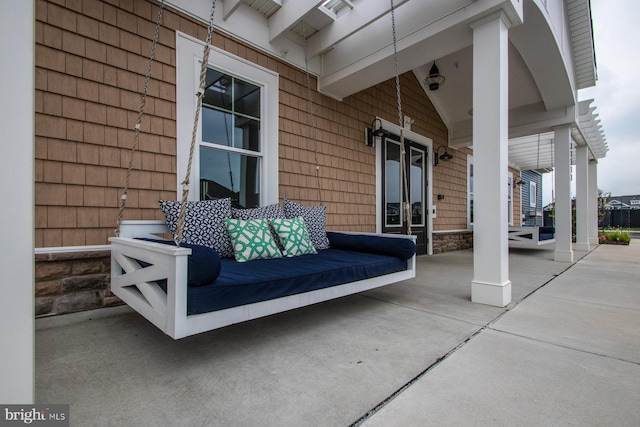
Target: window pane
(225, 174)
(247, 134)
(392, 184)
(247, 99)
(218, 91)
(417, 187)
(216, 126)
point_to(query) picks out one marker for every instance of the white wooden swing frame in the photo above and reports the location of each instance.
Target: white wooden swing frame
(527, 237)
(137, 266)
(136, 284)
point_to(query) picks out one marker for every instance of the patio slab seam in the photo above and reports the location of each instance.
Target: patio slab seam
(581, 350)
(431, 312)
(441, 359)
(415, 379)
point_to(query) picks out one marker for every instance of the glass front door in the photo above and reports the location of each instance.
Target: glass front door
(394, 215)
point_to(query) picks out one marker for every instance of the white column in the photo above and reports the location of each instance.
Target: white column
(593, 203)
(490, 283)
(583, 204)
(562, 148)
(17, 76)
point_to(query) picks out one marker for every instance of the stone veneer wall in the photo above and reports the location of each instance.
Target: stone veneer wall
(452, 241)
(72, 281)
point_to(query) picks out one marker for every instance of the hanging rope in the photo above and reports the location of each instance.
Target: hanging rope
(311, 113)
(196, 121)
(136, 138)
(403, 151)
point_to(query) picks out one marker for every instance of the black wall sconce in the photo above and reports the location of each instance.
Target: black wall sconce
(434, 80)
(519, 181)
(444, 156)
(374, 133)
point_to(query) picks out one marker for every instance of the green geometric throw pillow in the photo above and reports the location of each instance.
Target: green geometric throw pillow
(293, 236)
(251, 239)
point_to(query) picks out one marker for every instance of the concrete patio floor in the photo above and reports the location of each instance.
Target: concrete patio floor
(416, 353)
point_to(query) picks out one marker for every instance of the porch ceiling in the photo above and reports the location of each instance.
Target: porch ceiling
(536, 152)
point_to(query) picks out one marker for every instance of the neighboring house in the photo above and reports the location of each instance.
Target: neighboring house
(531, 188)
(622, 202)
(621, 211)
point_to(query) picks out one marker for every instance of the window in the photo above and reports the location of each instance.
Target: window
(470, 188)
(394, 214)
(533, 194)
(236, 153)
(230, 153)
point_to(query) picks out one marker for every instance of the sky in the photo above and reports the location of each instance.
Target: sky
(617, 96)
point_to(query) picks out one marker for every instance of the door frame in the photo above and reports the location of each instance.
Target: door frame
(428, 147)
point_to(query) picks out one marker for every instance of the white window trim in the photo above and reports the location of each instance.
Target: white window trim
(533, 190)
(188, 59)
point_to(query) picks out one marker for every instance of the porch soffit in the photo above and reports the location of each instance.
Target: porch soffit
(582, 47)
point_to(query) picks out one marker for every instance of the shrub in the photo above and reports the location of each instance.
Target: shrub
(616, 236)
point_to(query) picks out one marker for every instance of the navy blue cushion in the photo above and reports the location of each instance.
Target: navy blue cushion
(401, 248)
(203, 264)
(546, 233)
(266, 279)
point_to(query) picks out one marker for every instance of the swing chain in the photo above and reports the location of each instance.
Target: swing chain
(196, 121)
(136, 138)
(311, 112)
(403, 168)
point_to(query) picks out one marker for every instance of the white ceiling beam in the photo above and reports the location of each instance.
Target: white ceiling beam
(230, 6)
(348, 24)
(290, 13)
(523, 121)
(429, 30)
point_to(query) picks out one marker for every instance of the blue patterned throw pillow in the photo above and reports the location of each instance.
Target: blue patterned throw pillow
(251, 239)
(314, 219)
(203, 223)
(293, 236)
(268, 212)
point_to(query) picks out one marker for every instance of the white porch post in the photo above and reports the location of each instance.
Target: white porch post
(17, 76)
(593, 203)
(564, 251)
(490, 283)
(583, 204)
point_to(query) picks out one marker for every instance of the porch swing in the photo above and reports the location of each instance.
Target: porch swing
(532, 237)
(186, 288)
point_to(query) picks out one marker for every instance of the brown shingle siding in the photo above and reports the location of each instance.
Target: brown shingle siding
(91, 61)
